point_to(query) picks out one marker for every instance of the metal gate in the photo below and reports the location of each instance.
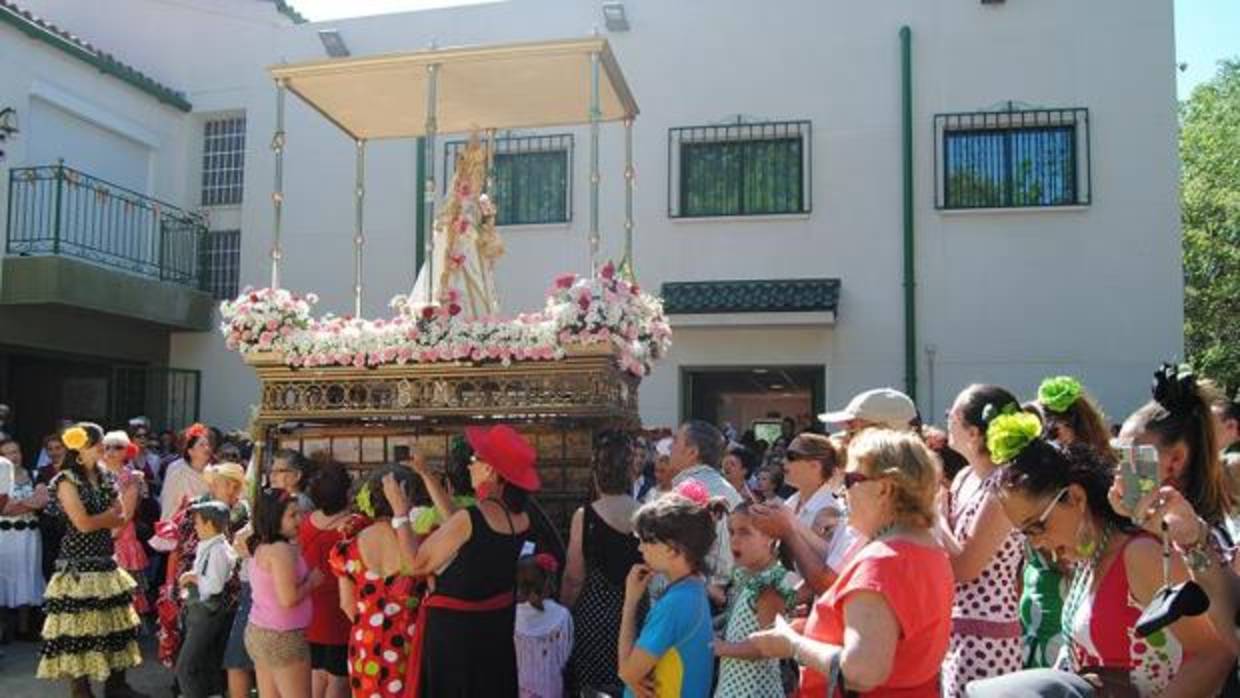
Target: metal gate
(170, 397)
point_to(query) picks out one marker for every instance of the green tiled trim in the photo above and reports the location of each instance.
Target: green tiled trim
(50, 34)
(287, 10)
(751, 296)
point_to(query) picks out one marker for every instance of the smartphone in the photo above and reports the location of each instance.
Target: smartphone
(1138, 465)
(400, 453)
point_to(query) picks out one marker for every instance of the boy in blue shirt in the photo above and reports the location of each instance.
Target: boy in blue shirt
(672, 654)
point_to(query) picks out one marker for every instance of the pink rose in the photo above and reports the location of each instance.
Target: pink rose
(565, 280)
(608, 270)
(454, 309)
(359, 361)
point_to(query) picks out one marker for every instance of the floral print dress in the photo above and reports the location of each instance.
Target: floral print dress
(382, 632)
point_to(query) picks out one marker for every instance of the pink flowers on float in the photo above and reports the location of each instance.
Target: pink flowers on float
(579, 310)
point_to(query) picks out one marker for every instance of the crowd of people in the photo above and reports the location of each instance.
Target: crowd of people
(1008, 554)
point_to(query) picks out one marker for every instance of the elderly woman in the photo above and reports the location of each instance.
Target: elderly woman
(467, 622)
(873, 630)
(130, 555)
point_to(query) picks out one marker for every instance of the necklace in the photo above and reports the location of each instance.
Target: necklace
(1082, 581)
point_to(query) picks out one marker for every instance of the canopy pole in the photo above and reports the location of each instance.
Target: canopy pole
(432, 125)
(489, 184)
(359, 195)
(626, 266)
(595, 116)
(277, 193)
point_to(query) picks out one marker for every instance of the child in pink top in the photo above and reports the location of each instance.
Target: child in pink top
(281, 585)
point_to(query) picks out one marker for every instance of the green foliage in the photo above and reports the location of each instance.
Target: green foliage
(1210, 213)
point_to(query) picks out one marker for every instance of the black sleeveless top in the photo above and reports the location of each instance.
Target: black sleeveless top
(609, 551)
(485, 565)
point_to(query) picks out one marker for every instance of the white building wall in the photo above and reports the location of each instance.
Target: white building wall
(1006, 297)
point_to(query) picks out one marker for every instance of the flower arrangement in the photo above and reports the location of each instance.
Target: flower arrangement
(264, 319)
(579, 310)
(607, 308)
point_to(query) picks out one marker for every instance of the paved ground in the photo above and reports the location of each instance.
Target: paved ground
(22, 658)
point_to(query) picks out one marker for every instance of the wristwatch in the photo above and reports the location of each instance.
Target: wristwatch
(1197, 557)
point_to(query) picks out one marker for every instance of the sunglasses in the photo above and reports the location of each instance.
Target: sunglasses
(1038, 527)
(855, 478)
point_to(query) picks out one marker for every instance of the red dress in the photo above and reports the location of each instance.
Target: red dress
(380, 637)
(329, 625)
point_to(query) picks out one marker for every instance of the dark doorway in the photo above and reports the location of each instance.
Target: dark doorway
(43, 388)
(743, 395)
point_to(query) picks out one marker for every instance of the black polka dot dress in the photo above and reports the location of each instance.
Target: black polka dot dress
(91, 628)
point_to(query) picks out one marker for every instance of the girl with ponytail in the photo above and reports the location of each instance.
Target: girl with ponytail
(1179, 423)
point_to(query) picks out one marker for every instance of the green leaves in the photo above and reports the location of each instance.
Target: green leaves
(1210, 214)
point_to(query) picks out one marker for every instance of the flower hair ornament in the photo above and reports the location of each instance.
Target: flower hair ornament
(694, 491)
(1059, 394)
(1174, 388)
(75, 438)
(547, 563)
(364, 503)
(195, 430)
(1008, 434)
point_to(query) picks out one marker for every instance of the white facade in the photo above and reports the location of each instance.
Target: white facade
(1002, 296)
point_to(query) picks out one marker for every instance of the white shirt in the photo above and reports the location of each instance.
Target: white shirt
(182, 482)
(842, 538)
(720, 557)
(213, 564)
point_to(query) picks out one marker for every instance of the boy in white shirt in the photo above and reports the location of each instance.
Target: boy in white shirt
(206, 620)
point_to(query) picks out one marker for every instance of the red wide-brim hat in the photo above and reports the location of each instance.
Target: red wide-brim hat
(508, 452)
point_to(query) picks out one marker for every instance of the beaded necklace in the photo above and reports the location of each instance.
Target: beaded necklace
(1082, 581)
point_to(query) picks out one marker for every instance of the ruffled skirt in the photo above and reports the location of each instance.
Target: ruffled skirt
(91, 628)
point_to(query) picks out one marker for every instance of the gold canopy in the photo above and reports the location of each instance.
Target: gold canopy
(511, 86)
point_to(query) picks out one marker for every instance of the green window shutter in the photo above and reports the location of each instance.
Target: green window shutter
(739, 177)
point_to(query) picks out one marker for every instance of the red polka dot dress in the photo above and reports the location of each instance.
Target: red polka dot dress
(381, 635)
(986, 635)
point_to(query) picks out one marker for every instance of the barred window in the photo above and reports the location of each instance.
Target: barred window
(531, 178)
(223, 263)
(223, 161)
(1013, 158)
(739, 169)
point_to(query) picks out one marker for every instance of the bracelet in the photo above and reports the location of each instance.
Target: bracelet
(1197, 556)
(399, 521)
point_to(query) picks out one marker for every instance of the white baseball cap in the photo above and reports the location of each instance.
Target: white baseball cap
(887, 407)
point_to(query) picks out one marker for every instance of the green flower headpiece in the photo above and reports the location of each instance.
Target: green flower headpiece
(1060, 393)
(364, 504)
(1009, 434)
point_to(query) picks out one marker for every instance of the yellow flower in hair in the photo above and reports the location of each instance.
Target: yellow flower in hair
(1009, 434)
(75, 438)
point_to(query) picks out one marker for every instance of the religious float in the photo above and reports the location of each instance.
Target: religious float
(365, 389)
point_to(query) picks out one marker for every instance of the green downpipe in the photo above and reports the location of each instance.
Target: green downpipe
(910, 285)
(419, 210)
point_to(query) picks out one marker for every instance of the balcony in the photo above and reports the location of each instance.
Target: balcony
(80, 241)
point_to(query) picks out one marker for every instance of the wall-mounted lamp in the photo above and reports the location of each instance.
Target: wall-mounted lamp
(613, 16)
(8, 126)
(333, 43)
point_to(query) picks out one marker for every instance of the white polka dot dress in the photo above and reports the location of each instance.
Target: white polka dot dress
(986, 637)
